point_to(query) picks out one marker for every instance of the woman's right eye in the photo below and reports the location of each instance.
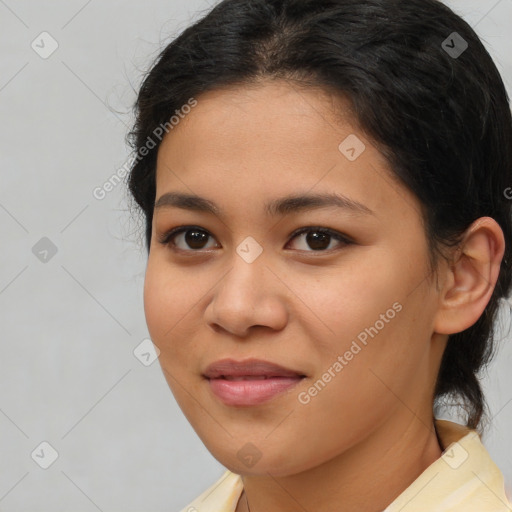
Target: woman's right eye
(189, 237)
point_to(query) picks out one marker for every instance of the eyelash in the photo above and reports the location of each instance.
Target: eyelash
(166, 238)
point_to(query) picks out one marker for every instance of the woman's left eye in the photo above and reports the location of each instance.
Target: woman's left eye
(317, 238)
(320, 238)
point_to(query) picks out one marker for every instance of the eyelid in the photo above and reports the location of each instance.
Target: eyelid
(166, 237)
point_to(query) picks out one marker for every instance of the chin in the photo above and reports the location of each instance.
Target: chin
(277, 465)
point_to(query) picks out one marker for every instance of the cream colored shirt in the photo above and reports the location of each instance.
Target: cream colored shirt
(463, 479)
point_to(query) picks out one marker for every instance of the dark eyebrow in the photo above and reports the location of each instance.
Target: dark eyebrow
(281, 206)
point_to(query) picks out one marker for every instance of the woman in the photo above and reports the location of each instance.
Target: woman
(323, 185)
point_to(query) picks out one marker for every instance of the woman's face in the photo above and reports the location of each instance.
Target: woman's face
(351, 319)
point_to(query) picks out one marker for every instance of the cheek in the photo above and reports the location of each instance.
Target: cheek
(166, 299)
(155, 303)
(171, 299)
(346, 304)
(165, 308)
(374, 322)
(165, 303)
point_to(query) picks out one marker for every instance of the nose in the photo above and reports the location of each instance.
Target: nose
(248, 295)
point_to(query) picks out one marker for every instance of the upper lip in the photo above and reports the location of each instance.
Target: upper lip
(249, 367)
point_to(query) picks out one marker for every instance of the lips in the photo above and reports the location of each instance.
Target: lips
(250, 369)
(251, 382)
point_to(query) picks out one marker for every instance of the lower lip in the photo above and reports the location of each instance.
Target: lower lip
(251, 392)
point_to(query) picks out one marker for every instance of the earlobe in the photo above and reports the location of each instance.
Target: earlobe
(471, 277)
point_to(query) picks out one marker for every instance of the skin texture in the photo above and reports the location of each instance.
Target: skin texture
(301, 307)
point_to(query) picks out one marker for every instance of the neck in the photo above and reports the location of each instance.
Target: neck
(365, 478)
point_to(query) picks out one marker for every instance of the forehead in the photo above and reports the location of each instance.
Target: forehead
(272, 139)
(270, 107)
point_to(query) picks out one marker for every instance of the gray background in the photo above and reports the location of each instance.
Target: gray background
(70, 323)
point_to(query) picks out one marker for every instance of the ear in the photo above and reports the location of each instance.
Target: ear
(471, 277)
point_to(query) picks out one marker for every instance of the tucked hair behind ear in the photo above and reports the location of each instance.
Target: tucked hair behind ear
(442, 120)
